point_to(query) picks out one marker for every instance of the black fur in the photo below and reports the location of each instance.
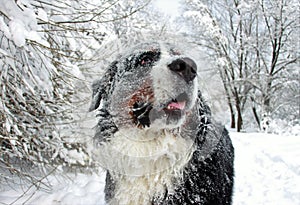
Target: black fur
(208, 181)
(141, 113)
(208, 177)
(102, 88)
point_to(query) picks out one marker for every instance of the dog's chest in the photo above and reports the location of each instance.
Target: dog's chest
(141, 190)
(146, 164)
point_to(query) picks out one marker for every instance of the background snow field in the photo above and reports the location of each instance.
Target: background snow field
(267, 171)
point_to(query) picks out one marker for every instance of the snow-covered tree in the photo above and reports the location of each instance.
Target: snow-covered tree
(38, 76)
(251, 42)
(278, 55)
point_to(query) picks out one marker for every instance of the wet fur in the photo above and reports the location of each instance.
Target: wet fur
(193, 156)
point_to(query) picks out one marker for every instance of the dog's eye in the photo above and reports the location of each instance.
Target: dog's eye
(146, 59)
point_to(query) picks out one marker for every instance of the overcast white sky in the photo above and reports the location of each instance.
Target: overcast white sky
(168, 7)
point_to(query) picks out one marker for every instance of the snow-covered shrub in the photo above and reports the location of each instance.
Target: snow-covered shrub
(284, 127)
(36, 91)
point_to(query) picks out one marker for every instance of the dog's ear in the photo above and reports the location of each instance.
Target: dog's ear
(101, 88)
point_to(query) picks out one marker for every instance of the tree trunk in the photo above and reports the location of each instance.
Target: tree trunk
(232, 125)
(255, 113)
(229, 98)
(239, 119)
(239, 110)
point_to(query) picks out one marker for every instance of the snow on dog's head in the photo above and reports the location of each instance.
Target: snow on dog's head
(147, 101)
(154, 87)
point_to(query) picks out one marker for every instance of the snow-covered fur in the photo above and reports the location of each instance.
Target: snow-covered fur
(155, 136)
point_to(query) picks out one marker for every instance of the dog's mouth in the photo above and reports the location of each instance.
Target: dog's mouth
(144, 113)
(176, 106)
(179, 103)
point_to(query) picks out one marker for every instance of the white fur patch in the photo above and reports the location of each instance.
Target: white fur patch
(167, 85)
(144, 163)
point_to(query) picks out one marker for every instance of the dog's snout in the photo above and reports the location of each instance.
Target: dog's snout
(185, 67)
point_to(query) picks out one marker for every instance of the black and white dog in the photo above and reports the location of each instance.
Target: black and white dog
(155, 136)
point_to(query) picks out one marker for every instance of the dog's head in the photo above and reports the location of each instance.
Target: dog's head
(153, 86)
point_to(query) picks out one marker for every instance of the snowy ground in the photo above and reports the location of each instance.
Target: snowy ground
(267, 172)
(267, 169)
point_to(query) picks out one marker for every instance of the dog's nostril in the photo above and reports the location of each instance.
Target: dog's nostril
(185, 67)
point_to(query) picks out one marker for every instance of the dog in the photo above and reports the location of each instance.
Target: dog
(155, 135)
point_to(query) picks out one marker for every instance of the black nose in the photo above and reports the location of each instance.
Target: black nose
(185, 67)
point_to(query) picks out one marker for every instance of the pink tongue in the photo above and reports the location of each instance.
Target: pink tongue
(176, 105)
